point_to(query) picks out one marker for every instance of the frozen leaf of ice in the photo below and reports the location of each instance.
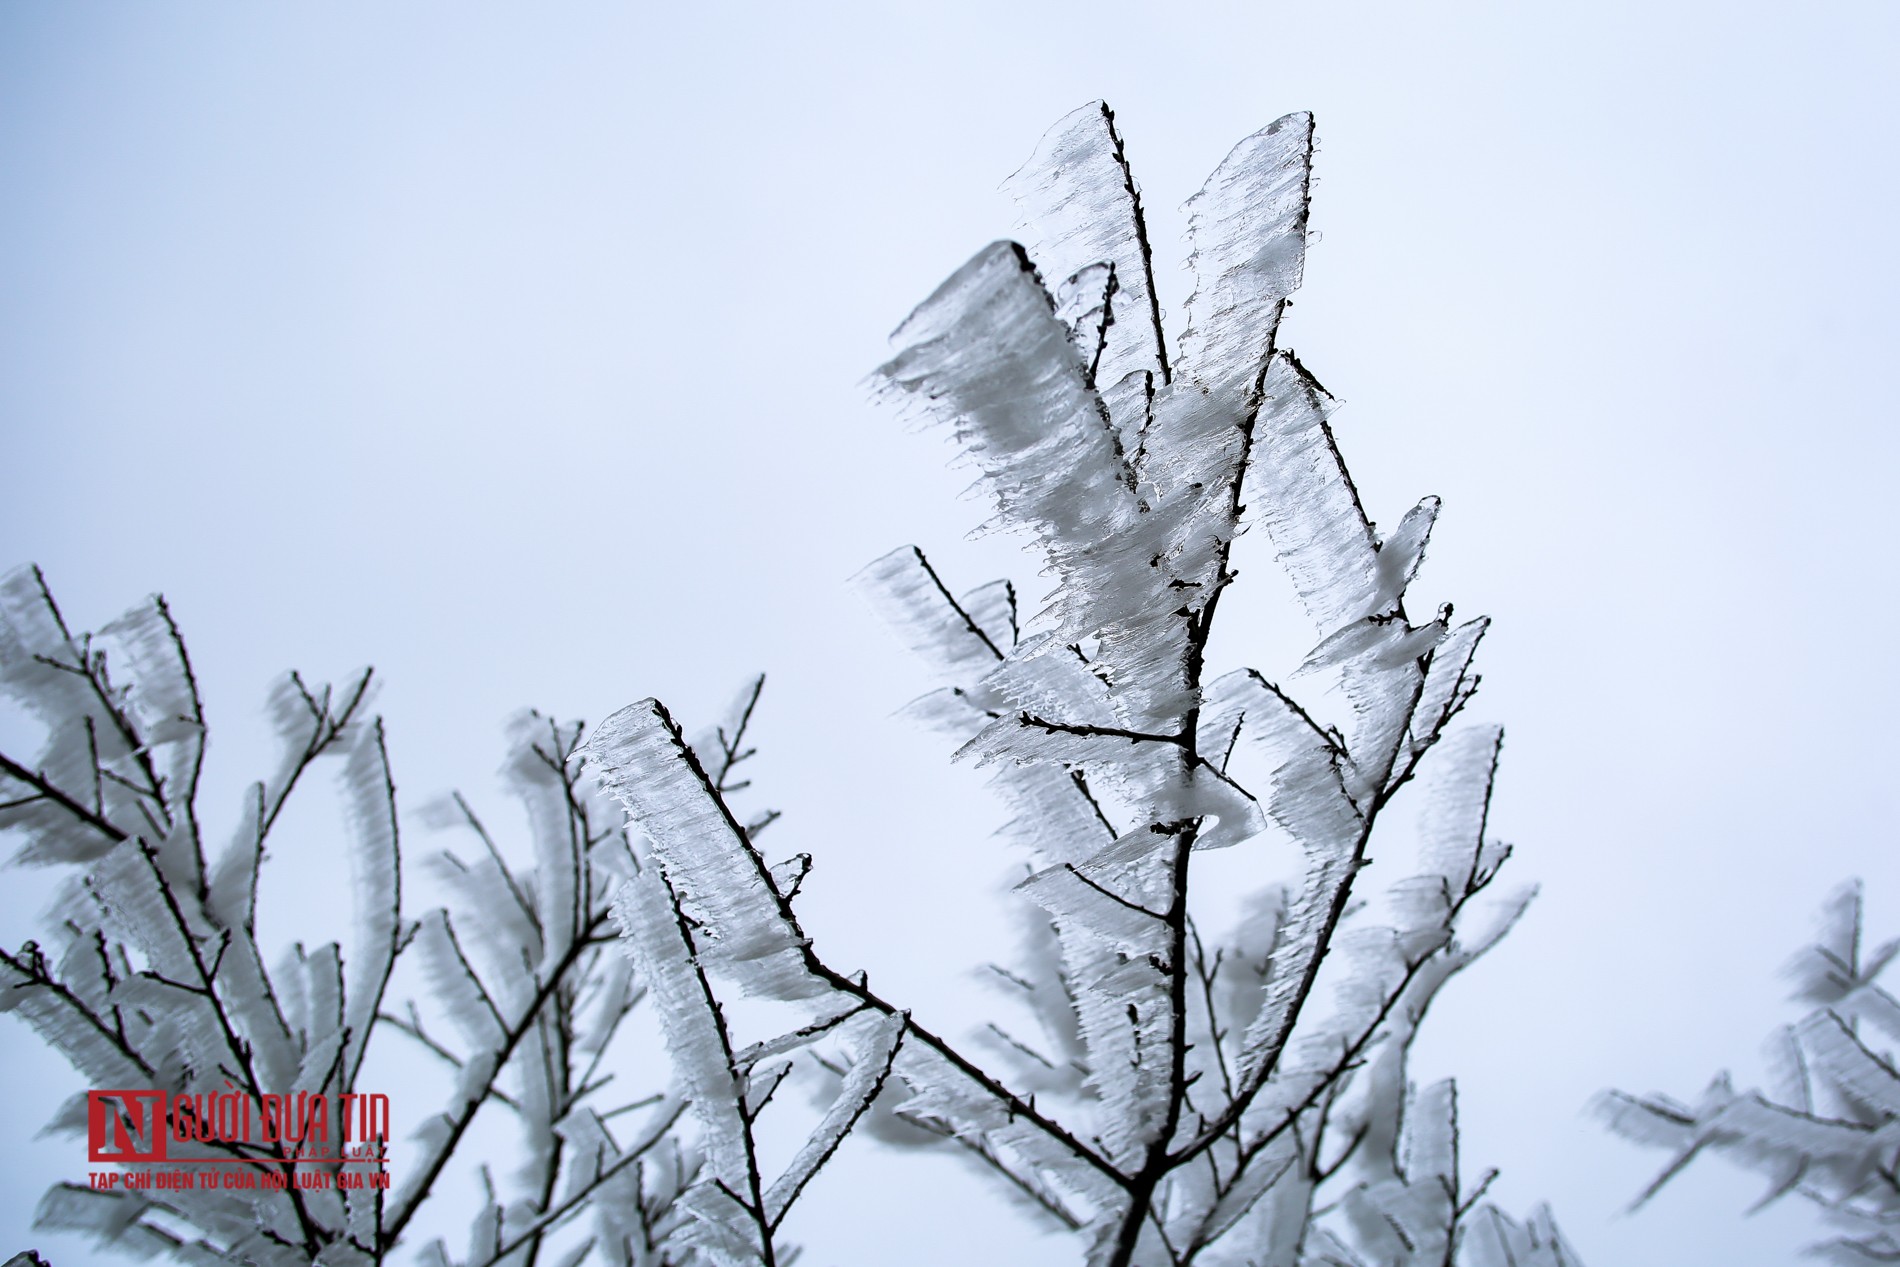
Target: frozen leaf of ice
(375, 873)
(1247, 231)
(695, 1038)
(906, 592)
(1114, 895)
(1449, 682)
(1463, 771)
(986, 355)
(455, 985)
(871, 1064)
(722, 882)
(1082, 207)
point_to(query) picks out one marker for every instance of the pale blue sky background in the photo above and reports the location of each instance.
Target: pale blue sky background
(519, 350)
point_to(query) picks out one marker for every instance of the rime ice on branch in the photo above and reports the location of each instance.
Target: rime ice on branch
(1186, 1102)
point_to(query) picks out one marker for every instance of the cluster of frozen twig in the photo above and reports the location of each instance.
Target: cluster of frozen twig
(1182, 1098)
(153, 975)
(1828, 1126)
(1180, 1106)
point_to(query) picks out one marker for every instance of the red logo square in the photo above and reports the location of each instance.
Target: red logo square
(125, 1126)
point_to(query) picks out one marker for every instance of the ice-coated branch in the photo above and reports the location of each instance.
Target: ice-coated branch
(741, 931)
(476, 1089)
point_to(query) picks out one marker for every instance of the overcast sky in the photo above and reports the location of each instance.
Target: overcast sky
(519, 350)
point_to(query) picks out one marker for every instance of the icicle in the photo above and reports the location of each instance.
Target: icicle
(1113, 895)
(645, 911)
(1082, 206)
(1837, 1054)
(376, 884)
(1270, 1227)
(537, 746)
(1247, 231)
(1297, 486)
(871, 1064)
(1085, 304)
(1449, 683)
(163, 696)
(987, 355)
(722, 882)
(1453, 825)
(905, 591)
